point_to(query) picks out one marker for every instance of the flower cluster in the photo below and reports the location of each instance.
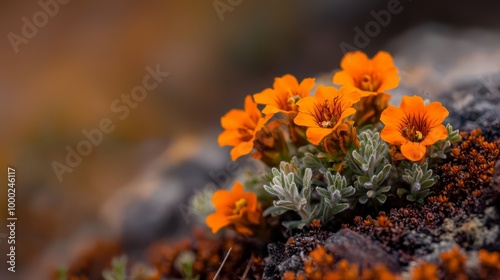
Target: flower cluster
(310, 139)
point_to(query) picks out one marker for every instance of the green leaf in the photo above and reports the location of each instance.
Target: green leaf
(294, 224)
(340, 207)
(401, 192)
(274, 211)
(363, 199)
(381, 198)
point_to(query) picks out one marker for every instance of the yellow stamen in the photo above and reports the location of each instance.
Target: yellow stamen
(366, 83)
(240, 204)
(326, 124)
(419, 136)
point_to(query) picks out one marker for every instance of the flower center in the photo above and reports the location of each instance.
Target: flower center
(368, 83)
(413, 134)
(326, 124)
(239, 205)
(290, 104)
(293, 99)
(327, 115)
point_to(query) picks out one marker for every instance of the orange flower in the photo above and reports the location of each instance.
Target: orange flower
(414, 126)
(235, 208)
(371, 76)
(241, 126)
(325, 112)
(283, 96)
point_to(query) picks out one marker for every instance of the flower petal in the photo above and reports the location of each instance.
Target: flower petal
(382, 60)
(413, 105)
(221, 198)
(392, 116)
(233, 119)
(229, 137)
(266, 97)
(436, 113)
(383, 63)
(325, 93)
(305, 116)
(253, 217)
(305, 86)
(243, 148)
(346, 113)
(343, 78)
(316, 134)
(392, 135)
(251, 108)
(389, 81)
(413, 151)
(216, 221)
(355, 63)
(242, 229)
(237, 190)
(286, 83)
(437, 133)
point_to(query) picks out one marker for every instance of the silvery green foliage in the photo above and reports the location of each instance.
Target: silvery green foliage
(293, 188)
(420, 179)
(441, 148)
(118, 269)
(333, 196)
(184, 262)
(201, 203)
(313, 158)
(371, 167)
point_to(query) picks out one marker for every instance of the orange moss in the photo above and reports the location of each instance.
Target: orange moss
(454, 262)
(345, 271)
(383, 221)
(489, 264)
(425, 271)
(379, 272)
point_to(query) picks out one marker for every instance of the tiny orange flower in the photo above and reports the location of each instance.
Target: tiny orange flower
(283, 96)
(489, 259)
(235, 208)
(325, 112)
(370, 76)
(414, 126)
(425, 271)
(453, 261)
(241, 126)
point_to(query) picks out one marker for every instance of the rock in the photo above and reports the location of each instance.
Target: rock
(276, 257)
(495, 180)
(360, 249)
(476, 105)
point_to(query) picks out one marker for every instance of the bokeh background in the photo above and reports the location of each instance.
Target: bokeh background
(130, 187)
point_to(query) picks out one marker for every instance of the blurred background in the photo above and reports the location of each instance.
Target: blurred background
(85, 55)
